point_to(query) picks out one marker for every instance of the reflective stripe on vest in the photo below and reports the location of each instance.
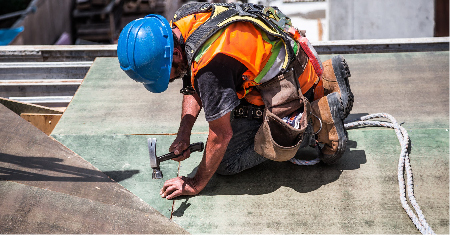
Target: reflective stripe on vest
(272, 56)
(241, 41)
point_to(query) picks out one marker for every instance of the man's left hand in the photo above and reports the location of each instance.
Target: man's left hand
(177, 187)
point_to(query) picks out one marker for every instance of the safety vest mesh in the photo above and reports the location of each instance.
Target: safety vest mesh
(210, 29)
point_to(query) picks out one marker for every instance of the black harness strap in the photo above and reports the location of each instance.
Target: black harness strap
(211, 26)
(205, 31)
(191, 8)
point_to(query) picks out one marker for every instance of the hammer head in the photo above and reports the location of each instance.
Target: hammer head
(154, 161)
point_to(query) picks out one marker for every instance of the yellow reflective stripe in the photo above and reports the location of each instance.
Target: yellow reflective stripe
(249, 18)
(218, 10)
(274, 54)
(207, 44)
(286, 58)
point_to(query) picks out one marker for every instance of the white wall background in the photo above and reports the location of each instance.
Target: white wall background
(377, 19)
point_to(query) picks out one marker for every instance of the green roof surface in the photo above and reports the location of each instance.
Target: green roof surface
(110, 118)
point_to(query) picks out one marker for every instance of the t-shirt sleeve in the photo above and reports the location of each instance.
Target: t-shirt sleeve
(216, 85)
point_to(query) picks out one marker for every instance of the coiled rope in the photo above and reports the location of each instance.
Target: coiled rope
(403, 166)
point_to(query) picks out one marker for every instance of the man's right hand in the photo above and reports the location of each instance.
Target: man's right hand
(180, 144)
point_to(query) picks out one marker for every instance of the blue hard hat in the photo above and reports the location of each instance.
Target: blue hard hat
(145, 51)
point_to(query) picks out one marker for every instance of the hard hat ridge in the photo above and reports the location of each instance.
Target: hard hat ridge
(145, 51)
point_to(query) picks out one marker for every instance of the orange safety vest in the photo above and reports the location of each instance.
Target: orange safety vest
(245, 43)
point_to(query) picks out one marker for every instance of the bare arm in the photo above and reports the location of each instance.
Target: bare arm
(219, 136)
(191, 107)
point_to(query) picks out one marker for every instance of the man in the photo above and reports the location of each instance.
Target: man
(228, 52)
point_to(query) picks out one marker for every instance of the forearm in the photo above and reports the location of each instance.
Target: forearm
(220, 133)
(216, 146)
(191, 107)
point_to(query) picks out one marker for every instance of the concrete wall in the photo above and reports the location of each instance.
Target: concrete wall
(43, 27)
(376, 19)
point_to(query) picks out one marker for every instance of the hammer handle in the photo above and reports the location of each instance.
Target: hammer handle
(196, 147)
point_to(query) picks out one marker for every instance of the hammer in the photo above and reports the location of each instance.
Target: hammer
(155, 160)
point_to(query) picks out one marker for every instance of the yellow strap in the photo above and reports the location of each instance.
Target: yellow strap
(249, 18)
(218, 10)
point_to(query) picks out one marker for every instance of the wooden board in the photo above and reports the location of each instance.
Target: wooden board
(21, 107)
(44, 122)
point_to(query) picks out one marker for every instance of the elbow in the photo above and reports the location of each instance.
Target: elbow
(221, 137)
(224, 136)
(220, 131)
(227, 136)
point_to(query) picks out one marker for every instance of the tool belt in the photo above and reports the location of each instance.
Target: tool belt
(282, 95)
(247, 110)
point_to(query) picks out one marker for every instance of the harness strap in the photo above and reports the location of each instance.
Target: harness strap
(224, 14)
(192, 8)
(205, 31)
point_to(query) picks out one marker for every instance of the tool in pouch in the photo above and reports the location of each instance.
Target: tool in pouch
(155, 160)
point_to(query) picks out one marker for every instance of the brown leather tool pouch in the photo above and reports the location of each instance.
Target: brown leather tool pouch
(275, 139)
(281, 94)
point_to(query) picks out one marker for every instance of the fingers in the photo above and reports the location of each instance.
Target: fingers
(173, 146)
(172, 188)
(176, 187)
(174, 194)
(171, 192)
(167, 187)
(185, 155)
(178, 147)
(164, 188)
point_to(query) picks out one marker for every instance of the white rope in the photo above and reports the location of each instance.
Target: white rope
(403, 166)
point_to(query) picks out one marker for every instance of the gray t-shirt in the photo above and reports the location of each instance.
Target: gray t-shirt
(216, 85)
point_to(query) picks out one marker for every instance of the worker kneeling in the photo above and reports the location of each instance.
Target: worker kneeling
(261, 84)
